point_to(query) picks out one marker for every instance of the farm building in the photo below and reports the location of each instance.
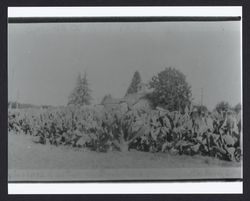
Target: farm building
(136, 101)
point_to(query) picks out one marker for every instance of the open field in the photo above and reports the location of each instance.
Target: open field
(36, 162)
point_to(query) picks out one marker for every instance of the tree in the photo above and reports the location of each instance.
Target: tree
(81, 94)
(222, 106)
(170, 90)
(136, 80)
(201, 109)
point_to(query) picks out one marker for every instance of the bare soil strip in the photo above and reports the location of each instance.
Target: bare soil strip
(28, 161)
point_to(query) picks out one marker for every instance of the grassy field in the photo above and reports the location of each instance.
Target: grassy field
(30, 161)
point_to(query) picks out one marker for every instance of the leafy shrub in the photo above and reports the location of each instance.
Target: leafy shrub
(222, 106)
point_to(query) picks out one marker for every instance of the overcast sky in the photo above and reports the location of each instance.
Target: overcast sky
(44, 59)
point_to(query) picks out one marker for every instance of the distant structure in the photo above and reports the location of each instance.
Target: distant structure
(133, 101)
(143, 88)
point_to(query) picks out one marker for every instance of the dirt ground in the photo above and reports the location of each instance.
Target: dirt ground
(30, 161)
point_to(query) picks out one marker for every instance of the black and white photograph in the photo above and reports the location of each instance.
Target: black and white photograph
(124, 99)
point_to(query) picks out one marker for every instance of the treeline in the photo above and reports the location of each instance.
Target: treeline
(17, 105)
(168, 89)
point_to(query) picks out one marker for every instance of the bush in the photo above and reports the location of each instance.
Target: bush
(222, 106)
(237, 108)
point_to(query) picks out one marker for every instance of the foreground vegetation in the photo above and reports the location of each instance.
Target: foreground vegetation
(98, 129)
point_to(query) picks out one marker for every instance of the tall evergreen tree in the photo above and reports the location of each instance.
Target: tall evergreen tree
(81, 94)
(136, 80)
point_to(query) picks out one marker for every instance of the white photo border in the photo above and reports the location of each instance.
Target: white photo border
(128, 188)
